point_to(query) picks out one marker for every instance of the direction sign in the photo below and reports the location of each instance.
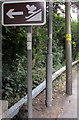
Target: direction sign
(20, 13)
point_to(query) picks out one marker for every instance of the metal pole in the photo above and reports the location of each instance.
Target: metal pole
(78, 89)
(49, 59)
(0, 50)
(29, 71)
(68, 49)
(77, 45)
(78, 63)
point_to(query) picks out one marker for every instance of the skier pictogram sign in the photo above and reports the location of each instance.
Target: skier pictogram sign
(24, 13)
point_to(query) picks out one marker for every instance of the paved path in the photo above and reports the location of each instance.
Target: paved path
(70, 103)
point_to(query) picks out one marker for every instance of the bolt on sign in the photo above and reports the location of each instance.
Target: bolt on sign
(21, 13)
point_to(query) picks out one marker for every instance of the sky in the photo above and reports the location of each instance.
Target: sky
(73, 12)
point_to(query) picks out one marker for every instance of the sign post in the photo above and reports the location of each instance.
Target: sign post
(29, 70)
(25, 13)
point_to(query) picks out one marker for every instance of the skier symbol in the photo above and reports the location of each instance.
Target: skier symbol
(35, 15)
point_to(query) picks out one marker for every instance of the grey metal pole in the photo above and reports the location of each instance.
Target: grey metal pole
(29, 71)
(78, 63)
(77, 46)
(49, 58)
(0, 50)
(68, 49)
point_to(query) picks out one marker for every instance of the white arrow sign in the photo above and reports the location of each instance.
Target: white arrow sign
(24, 13)
(10, 13)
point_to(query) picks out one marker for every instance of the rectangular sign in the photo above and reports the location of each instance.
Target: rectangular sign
(21, 13)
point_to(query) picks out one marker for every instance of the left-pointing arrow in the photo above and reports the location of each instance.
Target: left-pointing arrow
(10, 13)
